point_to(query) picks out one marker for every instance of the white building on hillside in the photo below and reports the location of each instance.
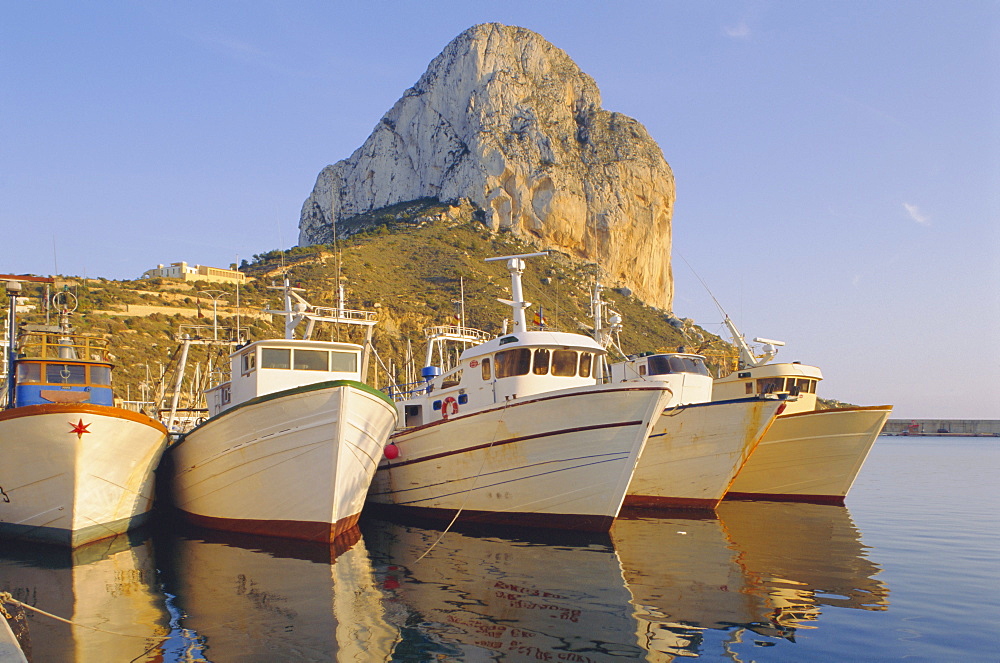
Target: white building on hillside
(185, 272)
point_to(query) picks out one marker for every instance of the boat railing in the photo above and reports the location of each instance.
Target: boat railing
(458, 333)
(400, 392)
(208, 333)
(343, 314)
(64, 345)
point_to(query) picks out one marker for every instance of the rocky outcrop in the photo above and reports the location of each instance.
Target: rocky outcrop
(508, 121)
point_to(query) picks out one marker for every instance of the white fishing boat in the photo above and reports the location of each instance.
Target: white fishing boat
(519, 433)
(293, 437)
(808, 454)
(697, 446)
(75, 468)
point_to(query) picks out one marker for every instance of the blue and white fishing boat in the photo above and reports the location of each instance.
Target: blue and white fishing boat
(75, 467)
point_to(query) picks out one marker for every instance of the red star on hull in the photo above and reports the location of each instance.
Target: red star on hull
(79, 428)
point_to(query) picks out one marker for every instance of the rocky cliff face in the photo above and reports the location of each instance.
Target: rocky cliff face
(508, 121)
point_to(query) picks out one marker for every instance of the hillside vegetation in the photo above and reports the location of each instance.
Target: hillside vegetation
(411, 263)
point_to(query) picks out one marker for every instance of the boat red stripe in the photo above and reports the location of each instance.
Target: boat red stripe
(655, 502)
(582, 523)
(289, 529)
(512, 440)
(837, 500)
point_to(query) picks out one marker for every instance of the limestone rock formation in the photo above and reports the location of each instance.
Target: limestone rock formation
(508, 121)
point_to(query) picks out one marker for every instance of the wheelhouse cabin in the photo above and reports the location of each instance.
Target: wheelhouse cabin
(62, 367)
(269, 366)
(782, 379)
(512, 366)
(686, 374)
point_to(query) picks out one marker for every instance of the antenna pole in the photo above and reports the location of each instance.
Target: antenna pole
(13, 290)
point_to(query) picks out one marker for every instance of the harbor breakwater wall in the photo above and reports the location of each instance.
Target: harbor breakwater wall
(955, 427)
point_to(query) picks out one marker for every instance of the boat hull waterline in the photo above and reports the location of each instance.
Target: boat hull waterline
(76, 473)
(562, 459)
(810, 456)
(696, 450)
(295, 463)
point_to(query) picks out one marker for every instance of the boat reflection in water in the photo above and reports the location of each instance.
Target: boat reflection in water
(700, 585)
(803, 557)
(657, 588)
(248, 597)
(109, 588)
(478, 597)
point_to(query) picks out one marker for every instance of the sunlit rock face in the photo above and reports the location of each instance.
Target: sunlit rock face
(508, 121)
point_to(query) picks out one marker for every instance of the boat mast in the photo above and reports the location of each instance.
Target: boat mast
(604, 335)
(516, 265)
(13, 290)
(747, 358)
(299, 310)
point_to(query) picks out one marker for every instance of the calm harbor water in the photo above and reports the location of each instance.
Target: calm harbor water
(907, 571)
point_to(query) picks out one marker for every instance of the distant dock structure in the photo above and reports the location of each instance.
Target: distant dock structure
(939, 427)
(185, 272)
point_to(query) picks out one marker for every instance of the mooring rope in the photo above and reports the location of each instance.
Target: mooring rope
(469, 491)
(5, 597)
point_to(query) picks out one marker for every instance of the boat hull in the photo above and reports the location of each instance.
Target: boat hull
(76, 473)
(810, 456)
(696, 450)
(563, 459)
(295, 464)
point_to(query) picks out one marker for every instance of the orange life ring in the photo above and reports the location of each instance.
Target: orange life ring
(449, 402)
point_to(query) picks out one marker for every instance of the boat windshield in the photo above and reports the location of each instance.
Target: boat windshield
(541, 361)
(301, 359)
(65, 374)
(666, 364)
(62, 374)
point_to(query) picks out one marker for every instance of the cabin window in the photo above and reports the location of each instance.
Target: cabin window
(100, 375)
(275, 358)
(564, 363)
(226, 395)
(513, 362)
(29, 372)
(749, 387)
(586, 359)
(486, 369)
(770, 385)
(665, 364)
(802, 385)
(65, 374)
(249, 361)
(451, 380)
(642, 369)
(311, 360)
(344, 362)
(541, 364)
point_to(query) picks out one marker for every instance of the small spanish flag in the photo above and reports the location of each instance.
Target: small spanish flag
(540, 317)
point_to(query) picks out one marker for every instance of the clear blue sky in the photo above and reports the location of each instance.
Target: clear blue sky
(837, 163)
